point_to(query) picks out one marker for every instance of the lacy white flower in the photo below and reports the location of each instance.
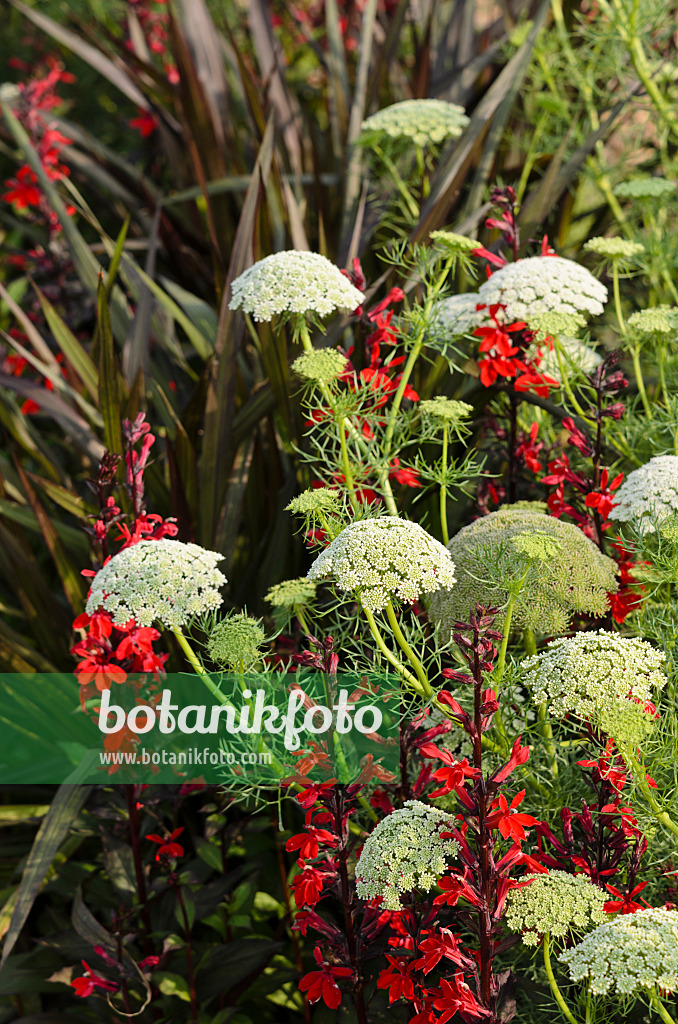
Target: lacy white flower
(649, 494)
(377, 559)
(645, 188)
(293, 282)
(556, 903)
(162, 581)
(555, 324)
(455, 316)
(575, 356)
(425, 122)
(628, 952)
(445, 409)
(235, 642)
(322, 365)
(543, 283)
(292, 593)
(574, 578)
(604, 677)
(404, 852)
(656, 320)
(614, 248)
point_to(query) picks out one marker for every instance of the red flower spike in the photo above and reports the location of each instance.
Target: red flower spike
(322, 984)
(397, 978)
(508, 820)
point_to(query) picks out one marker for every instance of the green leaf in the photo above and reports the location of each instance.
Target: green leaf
(109, 380)
(200, 343)
(66, 806)
(70, 346)
(172, 985)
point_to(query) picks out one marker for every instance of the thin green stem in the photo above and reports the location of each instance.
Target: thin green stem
(398, 180)
(660, 1008)
(407, 650)
(346, 465)
(624, 331)
(545, 729)
(557, 994)
(443, 491)
(389, 655)
(639, 776)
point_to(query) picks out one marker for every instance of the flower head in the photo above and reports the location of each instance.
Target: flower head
(627, 953)
(556, 903)
(377, 559)
(426, 122)
(293, 282)
(645, 188)
(542, 284)
(649, 494)
(292, 593)
(315, 500)
(235, 642)
(446, 410)
(656, 320)
(452, 242)
(495, 551)
(607, 678)
(163, 581)
(455, 316)
(322, 365)
(405, 851)
(614, 248)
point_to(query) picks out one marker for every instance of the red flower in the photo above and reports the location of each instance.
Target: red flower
(409, 477)
(86, 985)
(602, 500)
(23, 191)
(307, 887)
(456, 997)
(168, 847)
(509, 821)
(435, 948)
(519, 755)
(146, 123)
(454, 774)
(535, 381)
(397, 978)
(307, 843)
(455, 887)
(528, 450)
(624, 903)
(322, 984)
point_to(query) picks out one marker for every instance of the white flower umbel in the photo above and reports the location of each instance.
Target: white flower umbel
(377, 559)
(455, 316)
(575, 356)
(556, 903)
(649, 494)
(599, 676)
(628, 952)
(426, 122)
(293, 282)
(541, 284)
(162, 581)
(404, 852)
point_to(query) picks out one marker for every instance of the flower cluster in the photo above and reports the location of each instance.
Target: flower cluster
(542, 284)
(455, 316)
(446, 410)
(556, 903)
(293, 282)
(630, 952)
(406, 851)
(649, 494)
(377, 559)
(575, 356)
(614, 248)
(645, 188)
(322, 365)
(426, 122)
(235, 642)
(292, 593)
(162, 581)
(572, 577)
(609, 679)
(655, 320)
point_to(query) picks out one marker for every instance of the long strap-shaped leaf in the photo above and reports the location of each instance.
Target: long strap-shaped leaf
(65, 807)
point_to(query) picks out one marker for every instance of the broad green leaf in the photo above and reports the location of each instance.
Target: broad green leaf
(65, 808)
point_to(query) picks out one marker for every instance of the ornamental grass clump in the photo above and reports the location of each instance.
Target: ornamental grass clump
(405, 851)
(557, 903)
(380, 559)
(601, 677)
(547, 567)
(627, 953)
(163, 581)
(425, 122)
(648, 494)
(542, 284)
(235, 643)
(293, 283)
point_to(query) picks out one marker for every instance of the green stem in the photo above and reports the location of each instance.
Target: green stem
(557, 994)
(399, 183)
(409, 653)
(389, 655)
(623, 330)
(638, 772)
(302, 621)
(660, 1008)
(545, 729)
(529, 642)
(197, 667)
(348, 475)
(443, 492)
